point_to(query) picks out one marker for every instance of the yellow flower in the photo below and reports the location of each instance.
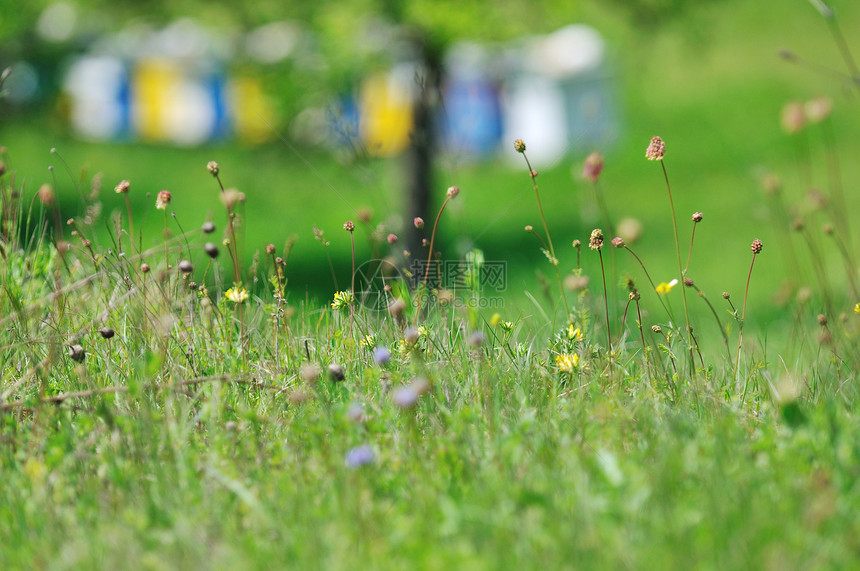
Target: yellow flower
(342, 299)
(368, 341)
(566, 362)
(574, 333)
(663, 288)
(506, 325)
(495, 319)
(237, 295)
(423, 331)
(857, 308)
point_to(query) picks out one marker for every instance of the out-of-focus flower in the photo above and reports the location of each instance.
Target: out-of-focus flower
(236, 295)
(663, 288)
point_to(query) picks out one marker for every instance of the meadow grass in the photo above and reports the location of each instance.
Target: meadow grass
(155, 414)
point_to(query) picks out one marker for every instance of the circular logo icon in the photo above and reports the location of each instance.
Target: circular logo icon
(371, 279)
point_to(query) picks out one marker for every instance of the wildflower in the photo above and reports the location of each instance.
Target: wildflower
(359, 456)
(381, 355)
(342, 300)
(418, 222)
(310, 372)
(697, 217)
(349, 226)
(122, 187)
(208, 227)
(410, 335)
(396, 307)
(453, 191)
(630, 229)
(46, 194)
(335, 372)
(596, 240)
(107, 332)
(519, 146)
(506, 325)
(212, 167)
(211, 250)
(355, 413)
(495, 319)
(186, 267)
(368, 341)
(576, 283)
(405, 397)
(476, 339)
(162, 200)
(236, 295)
(423, 331)
(663, 288)
(231, 197)
(573, 333)
(818, 109)
(592, 167)
(77, 353)
(656, 149)
(618, 242)
(793, 117)
(566, 362)
(857, 308)
(529, 228)
(392, 238)
(756, 246)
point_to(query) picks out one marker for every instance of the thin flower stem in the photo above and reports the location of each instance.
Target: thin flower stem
(130, 223)
(690, 253)
(642, 337)
(680, 270)
(606, 303)
(548, 237)
(430, 258)
(741, 326)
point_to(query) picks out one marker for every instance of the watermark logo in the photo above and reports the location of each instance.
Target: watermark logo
(378, 282)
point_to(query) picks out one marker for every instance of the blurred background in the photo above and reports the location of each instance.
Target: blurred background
(367, 110)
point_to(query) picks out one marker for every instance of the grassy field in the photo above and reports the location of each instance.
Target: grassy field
(151, 419)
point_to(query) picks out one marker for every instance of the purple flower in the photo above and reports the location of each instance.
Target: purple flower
(359, 456)
(381, 355)
(405, 397)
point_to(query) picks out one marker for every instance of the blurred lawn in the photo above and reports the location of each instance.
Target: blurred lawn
(713, 88)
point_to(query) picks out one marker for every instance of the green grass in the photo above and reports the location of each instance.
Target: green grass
(199, 435)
